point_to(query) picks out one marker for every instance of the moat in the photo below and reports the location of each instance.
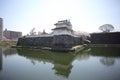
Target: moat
(95, 63)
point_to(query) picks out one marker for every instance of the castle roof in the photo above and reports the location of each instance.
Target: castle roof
(62, 22)
(61, 28)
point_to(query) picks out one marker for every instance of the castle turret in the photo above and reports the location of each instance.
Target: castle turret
(63, 27)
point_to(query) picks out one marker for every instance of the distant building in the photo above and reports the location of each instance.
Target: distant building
(1, 29)
(12, 35)
(63, 27)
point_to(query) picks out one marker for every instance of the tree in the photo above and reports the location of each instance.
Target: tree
(106, 28)
(39, 33)
(84, 36)
(107, 61)
(32, 32)
(44, 32)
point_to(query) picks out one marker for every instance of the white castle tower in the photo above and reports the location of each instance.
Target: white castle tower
(1, 29)
(63, 27)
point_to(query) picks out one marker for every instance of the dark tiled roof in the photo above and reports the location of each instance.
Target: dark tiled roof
(61, 28)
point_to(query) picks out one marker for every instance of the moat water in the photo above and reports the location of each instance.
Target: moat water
(95, 63)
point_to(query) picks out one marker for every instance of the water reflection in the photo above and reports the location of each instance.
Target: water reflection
(105, 51)
(63, 62)
(1, 51)
(6, 51)
(108, 54)
(83, 54)
(107, 61)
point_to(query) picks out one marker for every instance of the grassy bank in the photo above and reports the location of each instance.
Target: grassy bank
(104, 45)
(7, 43)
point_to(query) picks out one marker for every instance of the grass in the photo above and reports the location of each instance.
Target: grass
(7, 43)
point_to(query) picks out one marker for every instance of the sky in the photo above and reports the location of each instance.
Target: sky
(85, 15)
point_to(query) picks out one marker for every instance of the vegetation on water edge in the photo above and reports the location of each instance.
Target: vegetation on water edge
(104, 45)
(7, 43)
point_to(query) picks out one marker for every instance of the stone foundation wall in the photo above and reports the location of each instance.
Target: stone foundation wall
(105, 38)
(55, 42)
(35, 41)
(65, 42)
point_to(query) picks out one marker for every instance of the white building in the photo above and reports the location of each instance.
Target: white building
(12, 35)
(62, 28)
(1, 29)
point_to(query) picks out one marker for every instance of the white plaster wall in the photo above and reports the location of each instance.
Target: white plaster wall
(64, 25)
(59, 32)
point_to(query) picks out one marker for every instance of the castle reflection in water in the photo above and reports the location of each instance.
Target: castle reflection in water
(63, 61)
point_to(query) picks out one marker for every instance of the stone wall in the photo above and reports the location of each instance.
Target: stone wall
(105, 38)
(55, 42)
(35, 41)
(65, 42)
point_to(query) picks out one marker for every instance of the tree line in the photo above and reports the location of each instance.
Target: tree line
(33, 32)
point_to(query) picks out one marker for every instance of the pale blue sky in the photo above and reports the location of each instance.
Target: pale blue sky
(85, 15)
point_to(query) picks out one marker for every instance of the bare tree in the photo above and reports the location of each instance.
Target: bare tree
(106, 28)
(44, 32)
(107, 61)
(32, 32)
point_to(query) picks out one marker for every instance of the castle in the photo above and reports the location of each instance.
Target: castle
(63, 27)
(62, 38)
